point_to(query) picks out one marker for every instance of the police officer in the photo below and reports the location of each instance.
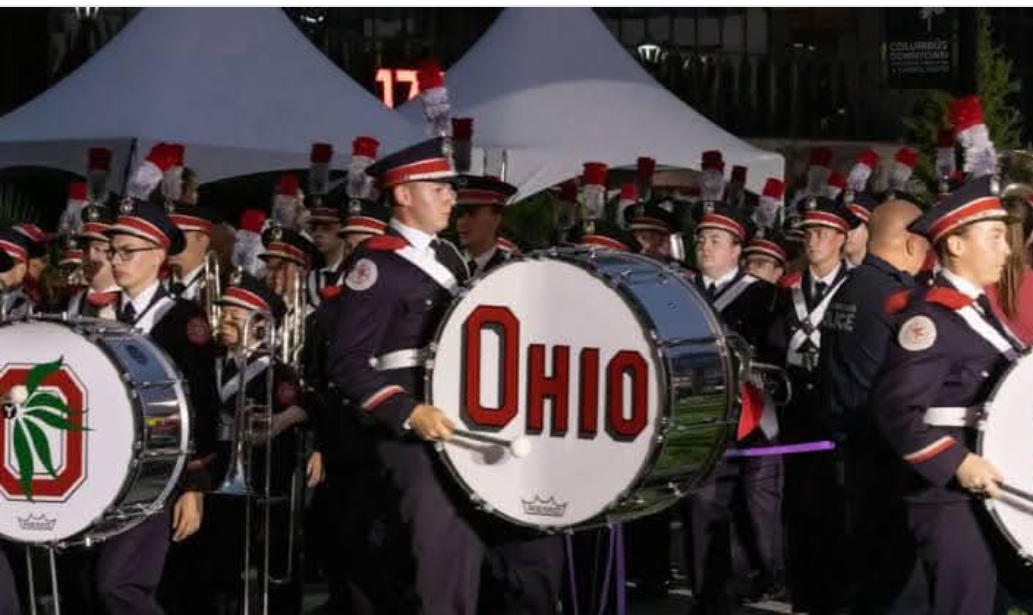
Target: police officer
(480, 202)
(745, 304)
(856, 332)
(947, 354)
(813, 533)
(396, 291)
(15, 302)
(188, 267)
(130, 565)
(861, 205)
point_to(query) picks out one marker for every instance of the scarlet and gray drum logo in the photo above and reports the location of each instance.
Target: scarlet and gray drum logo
(43, 432)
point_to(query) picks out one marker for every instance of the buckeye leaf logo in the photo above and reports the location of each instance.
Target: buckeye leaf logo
(33, 413)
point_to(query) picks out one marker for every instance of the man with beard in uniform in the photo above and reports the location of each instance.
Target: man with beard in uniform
(480, 202)
(745, 304)
(814, 533)
(397, 289)
(855, 334)
(949, 352)
(129, 565)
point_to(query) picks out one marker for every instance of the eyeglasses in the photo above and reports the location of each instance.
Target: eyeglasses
(125, 254)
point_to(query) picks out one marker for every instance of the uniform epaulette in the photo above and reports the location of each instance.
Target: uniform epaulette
(896, 302)
(385, 243)
(329, 292)
(790, 280)
(948, 298)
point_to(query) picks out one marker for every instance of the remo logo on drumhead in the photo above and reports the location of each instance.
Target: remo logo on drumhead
(548, 354)
(43, 432)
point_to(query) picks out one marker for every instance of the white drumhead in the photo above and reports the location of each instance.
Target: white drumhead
(1005, 440)
(547, 306)
(89, 465)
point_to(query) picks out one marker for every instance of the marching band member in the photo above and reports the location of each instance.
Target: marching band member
(324, 224)
(188, 267)
(480, 201)
(100, 298)
(39, 259)
(813, 575)
(745, 304)
(130, 565)
(652, 223)
(15, 302)
(396, 291)
(855, 335)
(948, 353)
(245, 298)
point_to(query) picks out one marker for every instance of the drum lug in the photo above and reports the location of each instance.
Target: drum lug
(675, 490)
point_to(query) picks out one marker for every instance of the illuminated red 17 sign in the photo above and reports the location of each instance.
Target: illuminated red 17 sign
(388, 78)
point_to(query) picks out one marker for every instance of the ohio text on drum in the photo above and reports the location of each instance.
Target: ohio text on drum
(636, 392)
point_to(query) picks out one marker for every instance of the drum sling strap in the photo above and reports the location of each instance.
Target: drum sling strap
(960, 416)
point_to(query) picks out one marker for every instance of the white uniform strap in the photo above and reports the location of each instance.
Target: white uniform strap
(808, 321)
(731, 292)
(75, 305)
(229, 388)
(431, 266)
(154, 313)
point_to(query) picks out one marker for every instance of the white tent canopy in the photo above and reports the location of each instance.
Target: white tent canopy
(555, 89)
(243, 89)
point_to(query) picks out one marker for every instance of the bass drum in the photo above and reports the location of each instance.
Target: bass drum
(611, 365)
(95, 432)
(1005, 434)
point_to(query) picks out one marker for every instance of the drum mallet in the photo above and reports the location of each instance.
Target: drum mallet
(1019, 493)
(520, 446)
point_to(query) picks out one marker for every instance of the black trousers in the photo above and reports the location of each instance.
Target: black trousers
(8, 592)
(956, 557)
(708, 513)
(881, 548)
(129, 567)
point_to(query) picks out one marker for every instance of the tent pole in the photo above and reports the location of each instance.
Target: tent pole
(129, 162)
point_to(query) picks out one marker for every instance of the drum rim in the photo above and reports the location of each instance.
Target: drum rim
(657, 442)
(78, 325)
(990, 504)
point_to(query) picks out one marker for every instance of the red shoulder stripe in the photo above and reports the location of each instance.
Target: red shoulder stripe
(385, 243)
(948, 297)
(896, 302)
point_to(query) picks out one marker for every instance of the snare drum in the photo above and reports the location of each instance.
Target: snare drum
(94, 433)
(1005, 437)
(613, 367)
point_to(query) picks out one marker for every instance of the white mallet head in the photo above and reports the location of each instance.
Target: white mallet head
(520, 446)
